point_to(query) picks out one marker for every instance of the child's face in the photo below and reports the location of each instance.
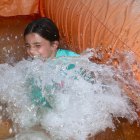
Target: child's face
(36, 45)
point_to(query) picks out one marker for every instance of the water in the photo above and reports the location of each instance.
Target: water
(82, 98)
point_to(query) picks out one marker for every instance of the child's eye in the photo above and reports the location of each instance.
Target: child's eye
(38, 46)
(27, 46)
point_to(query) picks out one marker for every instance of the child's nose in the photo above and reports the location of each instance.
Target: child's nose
(34, 52)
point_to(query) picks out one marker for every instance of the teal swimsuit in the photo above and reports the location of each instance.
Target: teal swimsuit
(61, 53)
(36, 93)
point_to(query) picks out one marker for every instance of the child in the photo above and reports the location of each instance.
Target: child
(42, 40)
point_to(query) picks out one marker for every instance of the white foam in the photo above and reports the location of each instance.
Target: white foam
(84, 99)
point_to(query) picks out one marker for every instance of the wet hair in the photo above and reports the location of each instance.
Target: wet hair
(45, 27)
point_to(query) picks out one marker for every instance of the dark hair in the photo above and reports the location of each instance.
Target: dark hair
(45, 27)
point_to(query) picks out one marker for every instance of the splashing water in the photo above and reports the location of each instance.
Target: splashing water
(78, 98)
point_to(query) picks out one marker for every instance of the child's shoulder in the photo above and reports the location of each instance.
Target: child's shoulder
(63, 52)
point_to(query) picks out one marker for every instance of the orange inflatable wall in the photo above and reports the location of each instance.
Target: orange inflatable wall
(18, 7)
(106, 25)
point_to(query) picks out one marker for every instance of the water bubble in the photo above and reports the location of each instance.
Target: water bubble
(8, 38)
(10, 130)
(16, 37)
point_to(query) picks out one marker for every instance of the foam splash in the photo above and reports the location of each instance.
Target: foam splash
(84, 97)
(30, 135)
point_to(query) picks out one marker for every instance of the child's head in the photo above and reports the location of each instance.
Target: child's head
(41, 38)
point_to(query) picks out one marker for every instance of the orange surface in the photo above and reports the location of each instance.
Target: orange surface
(18, 7)
(106, 25)
(6, 129)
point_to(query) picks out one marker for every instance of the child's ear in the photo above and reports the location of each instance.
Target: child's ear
(55, 44)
